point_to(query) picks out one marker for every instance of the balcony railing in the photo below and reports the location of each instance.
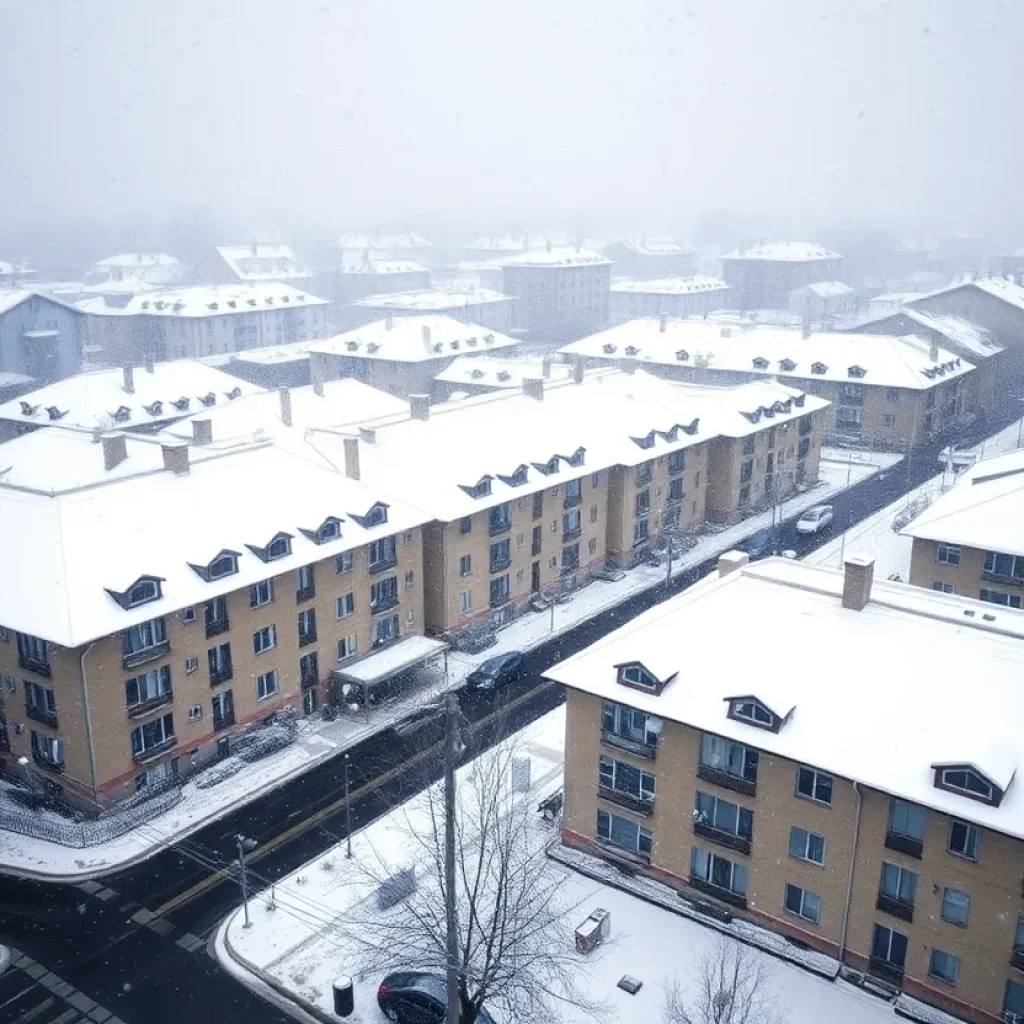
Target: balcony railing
(571, 500)
(1017, 959)
(223, 721)
(214, 627)
(499, 600)
(897, 907)
(716, 835)
(725, 895)
(144, 707)
(675, 469)
(995, 577)
(627, 800)
(500, 526)
(613, 739)
(620, 852)
(501, 564)
(307, 638)
(48, 764)
(221, 675)
(849, 398)
(382, 564)
(886, 971)
(571, 535)
(904, 844)
(725, 780)
(305, 593)
(156, 750)
(384, 604)
(41, 668)
(146, 654)
(41, 715)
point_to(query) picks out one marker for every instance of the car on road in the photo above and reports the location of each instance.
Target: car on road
(495, 672)
(759, 545)
(415, 997)
(814, 520)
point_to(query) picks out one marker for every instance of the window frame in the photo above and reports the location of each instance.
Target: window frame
(949, 957)
(816, 775)
(609, 770)
(794, 832)
(802, 901)
(969, 830)
(271, 632)
(948, 554)
(263, 692)
(644, 836)
(256, 591)
(949, 893)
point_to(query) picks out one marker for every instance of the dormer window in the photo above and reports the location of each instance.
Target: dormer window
(56, 414)
(154, 408)
(279, 547)
(481, 489)
(122, 415)
(969, 781)
(330, 530)
(760, 363)
(208, 399)
(608, 348)
(224, 564)
(577, 457)
(647, 441)
(233, 393)
(142, 591)
(181, 404)
(515, 479)
(682, 355)
(787, 365)
(753, 711)
(819, 368)
(639, 677)
(552, 466)
(631, 350)
(376, 516)
(856, 371)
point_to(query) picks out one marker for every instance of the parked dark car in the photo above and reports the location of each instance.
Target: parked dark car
(759, 545)
(413, 997)
(495, 672)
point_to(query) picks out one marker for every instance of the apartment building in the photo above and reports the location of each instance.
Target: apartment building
(652, 258)
(252, 263)
(403, 355)
(40, 336)
(480, 375)
(562, 291)
(482, 306)
(147, 270)
(762, 276)
(403, 245)
(174, 594)
(670, 296)
(885, 391)
(344, 276)
(969, 541)
(880, 824)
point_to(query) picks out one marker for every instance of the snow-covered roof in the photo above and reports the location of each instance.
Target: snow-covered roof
(128, 285)
(379, 263)
(11, 297)
(843, 676)
(788, 252)
(671, 285)
(984, 509)
(136, 260)
(656, 247)
(384, 243)
(214, 300)
(263, 261)
(826, 289)
(435, 299)
(483, 371)
(558, 256)
(520, 243)
(414, 339)
(998, 287)
(66, 550)
(964, 335)
(895, 362)
(99, 399)
(292, 352)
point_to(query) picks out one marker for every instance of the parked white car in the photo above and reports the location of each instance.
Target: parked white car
(815, 519)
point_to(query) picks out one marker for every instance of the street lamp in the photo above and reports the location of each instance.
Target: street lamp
(244, 846)
(348, 815)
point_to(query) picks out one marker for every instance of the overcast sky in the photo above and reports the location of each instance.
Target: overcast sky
(345, 114)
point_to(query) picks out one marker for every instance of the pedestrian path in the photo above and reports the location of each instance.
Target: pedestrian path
(32, 994)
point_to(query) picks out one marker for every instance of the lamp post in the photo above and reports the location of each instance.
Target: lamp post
(451, 745)
(348, 814)
(244, 846)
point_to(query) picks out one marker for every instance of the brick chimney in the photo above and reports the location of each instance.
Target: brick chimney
(534, 387)
(286, 406)
(129, 378)
(352, 458)
(316, 376)
(419, 406)
(545, 368)
(175, 458)
(115, 450)
(202, 431)
(730, 561)
(858, 575)
(578, 368)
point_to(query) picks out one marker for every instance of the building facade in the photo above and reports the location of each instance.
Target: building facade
(40, 337)
(762, 276)
(480, 306)
(674, 296)
(652, 258)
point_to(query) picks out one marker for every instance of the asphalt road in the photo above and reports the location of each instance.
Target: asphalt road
(132, 948)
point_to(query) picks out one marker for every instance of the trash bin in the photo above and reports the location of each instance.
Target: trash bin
(344, 999)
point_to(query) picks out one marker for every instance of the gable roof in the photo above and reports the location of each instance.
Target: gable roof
(484, 371)
(558, 256)
(784, 252)
(263, 261)
(963, 337)
(1000, 288)
(219, 300)
(13, 297)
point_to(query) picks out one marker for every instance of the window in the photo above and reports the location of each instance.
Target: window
(677, 462)
(907, 819)
(409, 578)
(892, 395)
(261, 594)
(637, 675)
(465, 526)
(644, 472)
(264, 639)
(1018, 939)
(385, 630)
(752, 711)
(219, 660)
(499, 591)
(187, 615)
(963, 839)
(465, 565)
(343, 563)
(956, 906)
(223, 565)
(623, 833)
(330, 529)
(377, 516)
(191, 665)
(33, 653)
(215, 615)
(725, 816)
(889, 420)
(307, 626)
(382, 554)
(628, 724)
(346, 605)
(309, 669)
(592, 546)
(595, 479)
(142, 637)
(148, 686)
(538, 504)
(500, 518)
(573, 492)
(744, 495)
(643, 502)
(143, 591)
(889, 947)
(675, 489)
(572, 524)
(278, 548)
(730, 758)
(806, 845)
(266, 685)
(746, 470)
(943, 588)
(814, 785)
(947, 554)
(803, 903)
(898, 883)
(47, 749)
(158, 733)
(384, 594)
(570, 557)
(995, 597)
(305, 581)
(1006, 566)
(466, 601)
(195, 713)
(625, 778)
(718, 871)
(347, 646)
(501, 555)
(748, 444)
(943, 966)
(965, 781)
(641, 531)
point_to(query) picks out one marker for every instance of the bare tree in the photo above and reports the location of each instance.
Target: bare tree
(515, 928)
(730, 986)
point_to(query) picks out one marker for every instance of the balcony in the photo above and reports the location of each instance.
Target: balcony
(156, 750)
(41, 715)
(904, 844)
(384, 604)
(214, 627)
(716, 835)
(309, 592)
(47, 764)
(898, 908)
(613, 739)
(716, 892)
(308, 680)
(617, 852)
(382, 564)
(221, 675)
(725, 780)
(501, 564)
(144, 707)
(1017, 959)
(632, 803)
(41, 668)
(886, 971)
(499, 600)
(851, 398)
(223, 721)
(146, 654)
(572, 500)
(310, 638)
(500, 526)
(991, 577)
(570, 535)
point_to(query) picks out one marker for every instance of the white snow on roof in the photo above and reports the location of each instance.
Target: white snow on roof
(130, 285)
(671, 285)
(789, 252)
(410, 651)
(292, 352)
(379, 263)
(998, 287)
(220, 300)
(657, 247)
(90, 400)
(263, 261)
(826, 289)
(11, 297)
(985, 508)
(520, 243)
(64, 550)
(483, 371)
(558, 256)
(436, 299)
(889, 361)
(965, 335)
(385, 243)
(414, 339)
(8, 378)
(929, 716)
(129, 261)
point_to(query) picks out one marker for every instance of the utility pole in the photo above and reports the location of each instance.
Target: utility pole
(451, 923)
(244, 846)
(348, 815)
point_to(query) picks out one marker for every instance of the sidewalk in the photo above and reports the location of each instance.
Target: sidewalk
(319, 740)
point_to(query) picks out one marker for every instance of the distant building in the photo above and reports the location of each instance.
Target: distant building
(402, 246)
(822, 301)
(486, 274)
(563, 292)
(40, 337)
(501, 247)
(650, 258)
(17, 275)
(762, 276)
(673, 296)
(252, 263)
(350, 276)
(144, 270)
(278, 366)
(1010, 264)
(482, 306)
(479, 374)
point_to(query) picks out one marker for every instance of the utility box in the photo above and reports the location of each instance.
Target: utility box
(593, 931)
(344, 1000)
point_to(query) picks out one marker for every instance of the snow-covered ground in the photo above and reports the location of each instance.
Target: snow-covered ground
(301, 945)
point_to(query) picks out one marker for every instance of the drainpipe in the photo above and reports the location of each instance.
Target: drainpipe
(88, 716)
(849, 881)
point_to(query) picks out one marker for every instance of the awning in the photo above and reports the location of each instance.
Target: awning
(375, 668)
